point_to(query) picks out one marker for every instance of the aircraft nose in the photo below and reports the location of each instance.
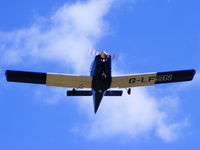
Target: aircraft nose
(104, 55)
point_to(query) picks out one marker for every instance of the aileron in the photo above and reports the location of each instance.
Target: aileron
(175, 76)
(50, 79)
(26, 77)
(147, 79)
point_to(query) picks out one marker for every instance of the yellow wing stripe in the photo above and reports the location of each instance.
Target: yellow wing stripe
(71, 81)
(133, 80)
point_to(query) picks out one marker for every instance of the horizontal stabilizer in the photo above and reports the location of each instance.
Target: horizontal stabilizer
(89, 93)
(79, 93)
(113, 93)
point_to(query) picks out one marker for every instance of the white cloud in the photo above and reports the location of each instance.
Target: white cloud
(171, 132)
(65, 38)
(133, 115)
(49, 95)
(196, 81)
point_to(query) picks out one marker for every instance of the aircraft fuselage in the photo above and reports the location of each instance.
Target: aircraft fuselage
(101, 78)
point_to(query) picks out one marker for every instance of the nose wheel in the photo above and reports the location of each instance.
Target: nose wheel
(129, 91)
(103, 76)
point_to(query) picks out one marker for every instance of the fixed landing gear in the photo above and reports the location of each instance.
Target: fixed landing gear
(103, 76)
(129, 91)
(74, 91)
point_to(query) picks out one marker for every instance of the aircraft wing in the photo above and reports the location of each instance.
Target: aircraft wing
(50, 79)
(147, 79)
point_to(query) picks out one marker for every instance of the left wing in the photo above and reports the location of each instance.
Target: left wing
(50, 79)
(135, 80)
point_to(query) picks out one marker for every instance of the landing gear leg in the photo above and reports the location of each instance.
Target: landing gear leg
(129, 91)
(74, 91)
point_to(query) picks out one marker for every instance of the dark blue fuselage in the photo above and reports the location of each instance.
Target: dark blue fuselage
(101, 78)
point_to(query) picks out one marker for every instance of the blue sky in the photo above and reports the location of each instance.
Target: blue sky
(56, 35)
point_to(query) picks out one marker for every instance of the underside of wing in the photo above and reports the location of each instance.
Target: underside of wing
(151, 78)
(64, 80)
(50, 79)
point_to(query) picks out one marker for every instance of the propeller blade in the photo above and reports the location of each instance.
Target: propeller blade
(94, 52)
(115, 57)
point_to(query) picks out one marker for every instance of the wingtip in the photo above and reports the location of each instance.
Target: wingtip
(194, 71)
(6, 74)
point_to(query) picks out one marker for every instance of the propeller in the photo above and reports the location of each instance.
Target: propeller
(113, 56)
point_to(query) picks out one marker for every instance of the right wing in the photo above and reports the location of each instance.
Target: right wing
(50, 79)
(135, 80)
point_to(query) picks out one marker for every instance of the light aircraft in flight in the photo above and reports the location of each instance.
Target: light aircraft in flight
(100, 82)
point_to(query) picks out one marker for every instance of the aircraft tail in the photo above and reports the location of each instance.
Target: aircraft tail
(89, 93)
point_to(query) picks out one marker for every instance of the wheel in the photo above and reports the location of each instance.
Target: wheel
(103, 76)
(129, 91)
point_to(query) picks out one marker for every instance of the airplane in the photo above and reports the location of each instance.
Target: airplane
(100, 81)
